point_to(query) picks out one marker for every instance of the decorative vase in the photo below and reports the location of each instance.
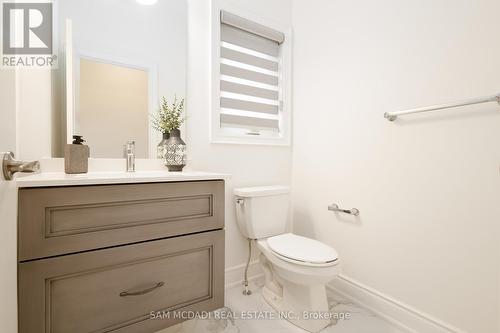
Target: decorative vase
(175, 151)
(160, 149)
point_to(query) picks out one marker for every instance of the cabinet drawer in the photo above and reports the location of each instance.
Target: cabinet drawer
(61, 220)
(115, 290)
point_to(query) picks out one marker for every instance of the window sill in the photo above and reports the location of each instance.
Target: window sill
(246, 142)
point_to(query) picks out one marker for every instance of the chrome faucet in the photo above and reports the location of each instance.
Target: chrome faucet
(129, 154)
(12, 166)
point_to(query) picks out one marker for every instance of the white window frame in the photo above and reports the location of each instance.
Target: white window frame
(222, 135)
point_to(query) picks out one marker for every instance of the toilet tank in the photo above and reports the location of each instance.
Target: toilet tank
(262, 211)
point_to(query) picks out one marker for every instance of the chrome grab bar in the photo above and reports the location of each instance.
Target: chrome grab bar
(10, 166)
(335, 208)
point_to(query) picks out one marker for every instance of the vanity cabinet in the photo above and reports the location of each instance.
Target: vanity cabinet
(61, 220)
(110, 258)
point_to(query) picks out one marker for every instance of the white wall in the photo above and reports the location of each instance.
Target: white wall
(35, 114)
(428, 185)
(7, 109)
(249, 165)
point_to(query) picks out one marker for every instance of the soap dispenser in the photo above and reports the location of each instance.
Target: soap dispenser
(76, 156)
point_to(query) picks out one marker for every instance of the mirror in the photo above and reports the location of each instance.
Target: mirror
(120, 57)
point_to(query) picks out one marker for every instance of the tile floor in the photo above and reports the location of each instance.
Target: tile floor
(360, 321)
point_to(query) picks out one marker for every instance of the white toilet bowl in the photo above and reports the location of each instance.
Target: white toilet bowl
(296, 268)
(297, 288)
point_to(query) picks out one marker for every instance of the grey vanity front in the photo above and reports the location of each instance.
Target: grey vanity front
(105, 258)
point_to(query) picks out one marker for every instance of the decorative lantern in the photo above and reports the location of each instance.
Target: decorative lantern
(175, 151)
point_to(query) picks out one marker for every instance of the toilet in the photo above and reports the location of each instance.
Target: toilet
(296, 268)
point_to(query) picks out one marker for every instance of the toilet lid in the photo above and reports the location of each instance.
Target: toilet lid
(302, 248)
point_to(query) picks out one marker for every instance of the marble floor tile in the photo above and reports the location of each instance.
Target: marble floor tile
(360, 320)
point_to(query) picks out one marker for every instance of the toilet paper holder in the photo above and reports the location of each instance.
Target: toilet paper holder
(335, 208)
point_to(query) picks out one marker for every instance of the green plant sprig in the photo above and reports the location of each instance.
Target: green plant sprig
(168, 117)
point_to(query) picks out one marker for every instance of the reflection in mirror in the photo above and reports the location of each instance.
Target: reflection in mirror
(123, 56)
(112, 96)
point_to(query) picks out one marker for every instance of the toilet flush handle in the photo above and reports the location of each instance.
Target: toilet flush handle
(240, 201)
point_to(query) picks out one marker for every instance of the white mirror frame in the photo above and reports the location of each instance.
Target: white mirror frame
(68, 80)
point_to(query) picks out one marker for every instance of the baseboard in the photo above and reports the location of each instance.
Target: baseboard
(397, 313)
(234, 275)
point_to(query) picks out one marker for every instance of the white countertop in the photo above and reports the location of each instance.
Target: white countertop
(98, 178)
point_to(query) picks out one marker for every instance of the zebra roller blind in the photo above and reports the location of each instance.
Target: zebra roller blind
(249, 75)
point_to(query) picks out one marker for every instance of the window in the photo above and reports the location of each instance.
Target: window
(251, 83)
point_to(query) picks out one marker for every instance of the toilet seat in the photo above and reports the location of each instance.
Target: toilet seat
(302, 250)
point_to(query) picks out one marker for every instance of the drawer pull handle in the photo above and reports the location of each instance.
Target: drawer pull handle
(142, 292)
